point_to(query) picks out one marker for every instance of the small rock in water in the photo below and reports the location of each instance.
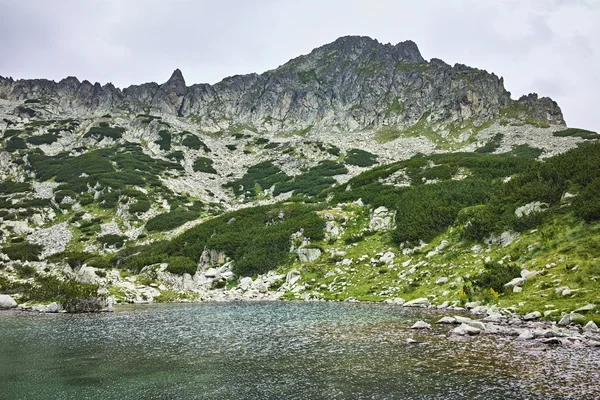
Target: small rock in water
(465, 329)
(447, 320)
(526, 335)
(420, 302)
(421, 325)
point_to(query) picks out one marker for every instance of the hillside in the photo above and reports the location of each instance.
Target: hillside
(358, 171)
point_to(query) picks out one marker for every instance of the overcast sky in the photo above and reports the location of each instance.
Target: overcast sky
(551, 47)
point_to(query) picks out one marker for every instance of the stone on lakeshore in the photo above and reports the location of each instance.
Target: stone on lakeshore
(447, 320)
(590, 327)
(52, 308)
(552, 340)
(420, 302)
(465, 329)
(471, 304)
(480, 310)
(550, 312)
(494, 317)
(445, 304)
(526, 335)
(397, 301)
(565, 320)
(7, 302)
(532, 316)
(578, 318)
(421, 325)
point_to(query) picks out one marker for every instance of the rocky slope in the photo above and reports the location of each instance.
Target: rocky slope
(291, 184)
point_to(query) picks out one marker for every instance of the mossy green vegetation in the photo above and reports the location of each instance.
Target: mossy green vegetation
(164, 141)
(262, 175)
(360, 158)
(257, 238)
(204, 164)
(112, 171)
(170, 220)
(312, 182)
(103, 130)
(193, 142)
(575, 132)
(23, 251)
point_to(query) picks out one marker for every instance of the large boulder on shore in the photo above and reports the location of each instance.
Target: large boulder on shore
(7, 302)
(89, 305)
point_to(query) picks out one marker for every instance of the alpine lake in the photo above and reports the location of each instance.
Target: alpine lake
(277, 350)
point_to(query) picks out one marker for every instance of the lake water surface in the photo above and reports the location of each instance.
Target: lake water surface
(278, 350)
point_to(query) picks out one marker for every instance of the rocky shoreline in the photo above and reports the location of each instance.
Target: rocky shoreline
(571, 331)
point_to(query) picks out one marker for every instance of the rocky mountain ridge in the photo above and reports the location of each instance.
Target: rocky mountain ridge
(351, 85)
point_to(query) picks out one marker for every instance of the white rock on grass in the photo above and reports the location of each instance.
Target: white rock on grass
(586, 308)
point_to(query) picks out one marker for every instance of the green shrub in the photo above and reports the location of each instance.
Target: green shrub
(313, 181)
(23, 251)
(231, 147)
(47, 138)
(112, 240)
(164, 142)
(258, 239)
(360, 158)
(496, 275)
(170, 220)
(203, 164)
(334, 151)
(492, 145)
(264, 174)
(193, 142)
(176, 156)
(99, 132)
(11, 187)
(180, 265)
(477, 222)
(48, 288)
(587, 204)
(14, 144)
(575, 132)
(141, 206)
(24, 271)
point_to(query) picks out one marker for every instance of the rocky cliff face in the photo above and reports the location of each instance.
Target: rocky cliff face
(352, 84)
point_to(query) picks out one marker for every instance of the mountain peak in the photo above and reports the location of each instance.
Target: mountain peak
(406, 51)
(176, 78)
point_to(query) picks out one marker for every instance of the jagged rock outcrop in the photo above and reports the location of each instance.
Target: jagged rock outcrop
(352, 84)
